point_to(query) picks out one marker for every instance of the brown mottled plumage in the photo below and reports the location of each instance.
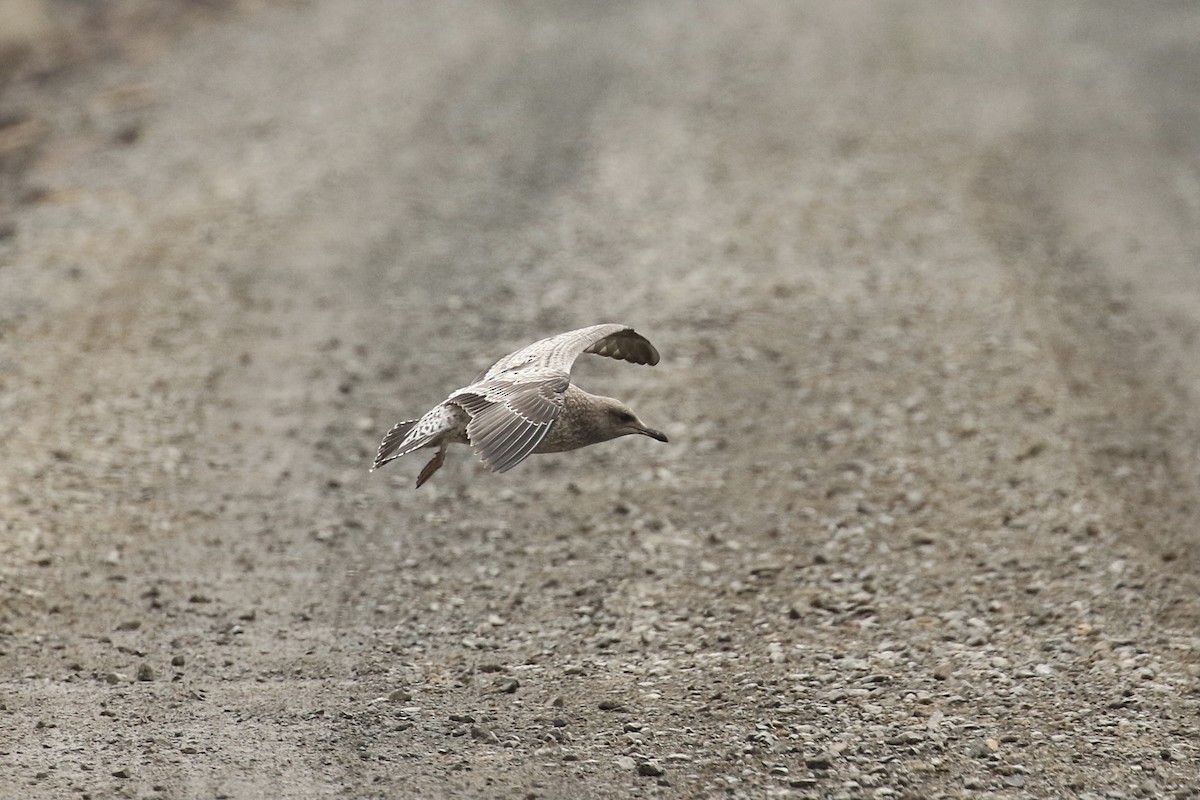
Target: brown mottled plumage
(525, 403)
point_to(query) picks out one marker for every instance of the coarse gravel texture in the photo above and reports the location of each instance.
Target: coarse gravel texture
(924, 280)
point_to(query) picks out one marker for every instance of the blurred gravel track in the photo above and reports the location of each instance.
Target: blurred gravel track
(926, 283)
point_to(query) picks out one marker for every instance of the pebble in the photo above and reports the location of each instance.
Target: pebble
(177, 661)
(907, 737)
(145, 672)
(819, 761)
(650, 769)
(922, 538)
(482, 734)
(625, 763)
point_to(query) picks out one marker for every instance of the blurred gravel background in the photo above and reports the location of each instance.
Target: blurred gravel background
(924, 278)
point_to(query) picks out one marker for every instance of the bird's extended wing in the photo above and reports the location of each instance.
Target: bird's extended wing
(559, 352)
(511, 413)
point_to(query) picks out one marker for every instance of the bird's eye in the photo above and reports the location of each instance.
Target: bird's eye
(623, 416)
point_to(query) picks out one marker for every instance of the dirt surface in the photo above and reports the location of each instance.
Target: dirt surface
(924, 279)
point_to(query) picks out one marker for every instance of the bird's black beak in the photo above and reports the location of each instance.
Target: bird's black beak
(653, 434)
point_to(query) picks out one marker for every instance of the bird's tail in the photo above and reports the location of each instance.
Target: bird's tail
(392, 442)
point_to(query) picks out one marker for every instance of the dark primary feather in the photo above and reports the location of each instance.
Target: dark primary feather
(626, 345)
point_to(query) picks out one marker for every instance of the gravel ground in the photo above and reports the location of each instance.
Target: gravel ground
(924, 282)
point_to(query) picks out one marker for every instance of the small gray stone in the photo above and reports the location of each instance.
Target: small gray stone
(145, 672)
(483, 734)
(650, 769)
(922, 538)
(625, 763)
(822, 760)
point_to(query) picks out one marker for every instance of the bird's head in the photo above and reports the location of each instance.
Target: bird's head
(616, 419)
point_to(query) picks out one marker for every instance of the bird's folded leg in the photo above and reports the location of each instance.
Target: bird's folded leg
(433, 466)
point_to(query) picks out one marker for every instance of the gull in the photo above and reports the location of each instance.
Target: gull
(525, 403)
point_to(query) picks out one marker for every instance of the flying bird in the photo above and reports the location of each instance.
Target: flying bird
(525, 403)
